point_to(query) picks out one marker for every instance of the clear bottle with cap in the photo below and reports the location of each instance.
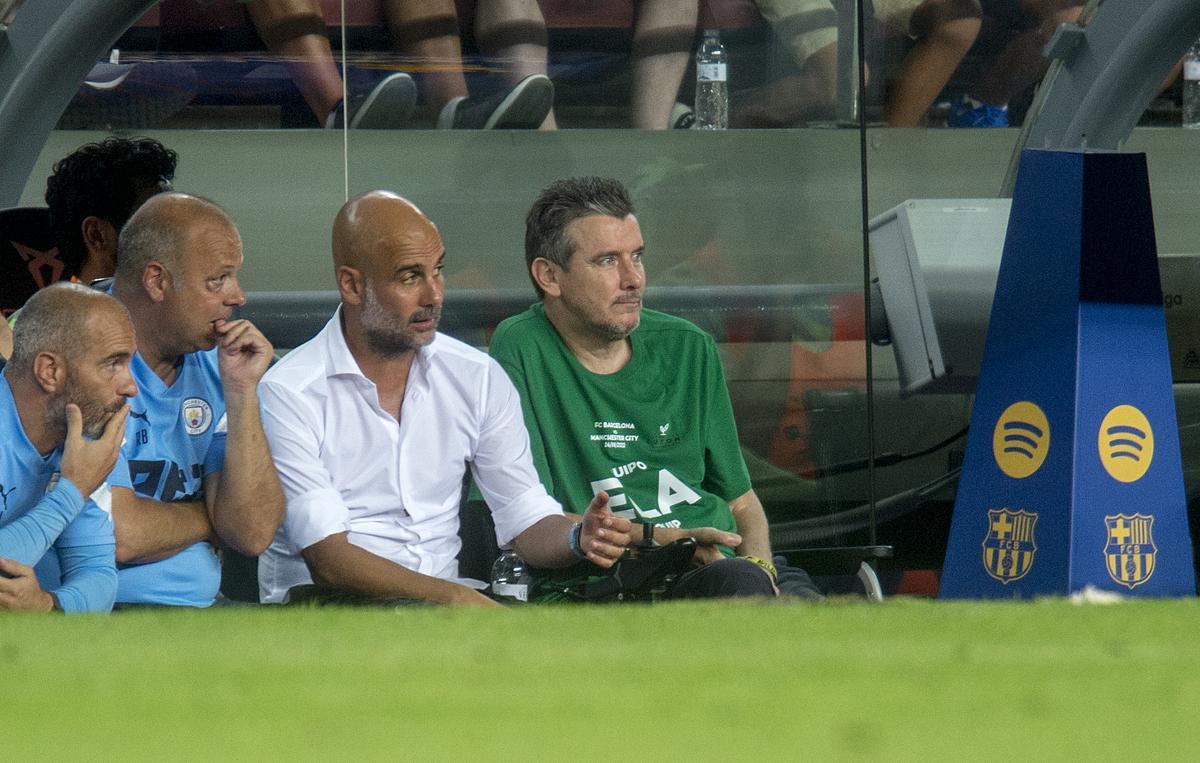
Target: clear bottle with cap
(510, 577)
(712, 84)
(1191, 87)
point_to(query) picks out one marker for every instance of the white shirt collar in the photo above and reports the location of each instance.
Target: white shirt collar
(339, 361)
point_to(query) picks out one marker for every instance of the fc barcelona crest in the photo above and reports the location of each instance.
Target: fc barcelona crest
(1009, 547)
(1130, 554)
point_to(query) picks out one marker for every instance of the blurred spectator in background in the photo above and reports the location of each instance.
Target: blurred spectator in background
(1018, 66)
(943, 30)
(427, 31)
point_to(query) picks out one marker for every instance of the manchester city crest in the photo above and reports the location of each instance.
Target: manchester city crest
(1130, 554)
(197, 415)
(1009, 547)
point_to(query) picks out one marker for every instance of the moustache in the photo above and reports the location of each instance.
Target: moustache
(431, 314)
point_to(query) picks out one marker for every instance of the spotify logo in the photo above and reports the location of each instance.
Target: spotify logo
(1021, 439)
(1126, 443)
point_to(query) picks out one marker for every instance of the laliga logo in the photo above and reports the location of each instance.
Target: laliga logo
(1021, 439)
(1126, 443)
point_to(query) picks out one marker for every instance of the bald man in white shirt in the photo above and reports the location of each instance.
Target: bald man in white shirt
(374, 422)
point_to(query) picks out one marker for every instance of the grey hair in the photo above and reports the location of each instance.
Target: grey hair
(562, 203)
(156, 233)
(55, 320)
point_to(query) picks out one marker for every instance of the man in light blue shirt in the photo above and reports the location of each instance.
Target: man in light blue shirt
(62, 419)
(198, 459)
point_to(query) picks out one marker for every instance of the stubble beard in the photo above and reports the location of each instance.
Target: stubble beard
(95, 413)
(389, 335)
(608, 331)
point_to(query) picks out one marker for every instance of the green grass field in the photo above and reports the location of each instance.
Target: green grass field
(907, 679)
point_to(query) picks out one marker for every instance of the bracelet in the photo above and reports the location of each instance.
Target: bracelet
(766, 565)
(573, 540)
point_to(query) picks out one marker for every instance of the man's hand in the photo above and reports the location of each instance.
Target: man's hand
(19, 589)
(243, 354)
(707, 541)
(604, 535)
(88, 462)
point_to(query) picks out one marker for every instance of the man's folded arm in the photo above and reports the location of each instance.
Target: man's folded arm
(27, 539)
(89, 578)
(148, 530)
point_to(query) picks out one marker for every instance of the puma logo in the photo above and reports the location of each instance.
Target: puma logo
(4, 494)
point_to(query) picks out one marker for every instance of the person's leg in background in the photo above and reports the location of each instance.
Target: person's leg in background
(514, 31)
(427, 31)
(945, 30)
(808, 31)
(1018, 66)
(663, 37)
(295, 30)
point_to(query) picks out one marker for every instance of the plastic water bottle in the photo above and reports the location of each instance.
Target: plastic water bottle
(1191, 87)
(511, 578)
(712, 89)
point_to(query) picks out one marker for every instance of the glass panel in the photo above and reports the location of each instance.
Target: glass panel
(752, 233)
(199, 78)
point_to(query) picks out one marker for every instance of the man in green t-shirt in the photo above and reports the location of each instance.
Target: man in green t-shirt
(631, 401)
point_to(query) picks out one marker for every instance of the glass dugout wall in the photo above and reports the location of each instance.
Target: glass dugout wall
(754, 232)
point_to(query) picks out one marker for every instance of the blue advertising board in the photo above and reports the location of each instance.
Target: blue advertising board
(1072, 475)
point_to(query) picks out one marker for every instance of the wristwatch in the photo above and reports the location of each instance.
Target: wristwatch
(573, 539)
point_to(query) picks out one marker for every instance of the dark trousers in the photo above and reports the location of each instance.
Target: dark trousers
(738, 577)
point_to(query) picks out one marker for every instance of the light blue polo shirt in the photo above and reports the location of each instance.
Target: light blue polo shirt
(174, 437)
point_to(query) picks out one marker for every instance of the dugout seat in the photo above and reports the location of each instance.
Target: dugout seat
(29, 258)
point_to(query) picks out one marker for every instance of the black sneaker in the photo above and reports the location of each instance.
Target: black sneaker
(524, 107)
(387, 107)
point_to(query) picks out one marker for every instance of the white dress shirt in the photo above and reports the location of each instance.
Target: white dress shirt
(349, 466)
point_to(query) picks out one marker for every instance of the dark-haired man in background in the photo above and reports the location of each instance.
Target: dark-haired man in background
(94, 191)
(91, 194)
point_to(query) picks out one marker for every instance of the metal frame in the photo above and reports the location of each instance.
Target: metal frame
(43, 58)
(1094, 95)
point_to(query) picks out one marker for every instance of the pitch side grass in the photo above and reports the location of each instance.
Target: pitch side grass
(905, 679)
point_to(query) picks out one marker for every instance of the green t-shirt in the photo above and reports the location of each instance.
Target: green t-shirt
(658, 436)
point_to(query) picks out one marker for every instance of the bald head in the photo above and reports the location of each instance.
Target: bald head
(387, 258)
(372, 224)
(63, 319)
(160, 230)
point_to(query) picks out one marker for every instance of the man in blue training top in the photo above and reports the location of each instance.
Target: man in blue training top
(67, 380)
(198, 459)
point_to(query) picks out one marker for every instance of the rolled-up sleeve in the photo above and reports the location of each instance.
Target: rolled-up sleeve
(315, 509)
(502, 464)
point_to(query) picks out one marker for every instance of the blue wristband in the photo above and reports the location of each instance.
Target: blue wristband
(573, 540)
